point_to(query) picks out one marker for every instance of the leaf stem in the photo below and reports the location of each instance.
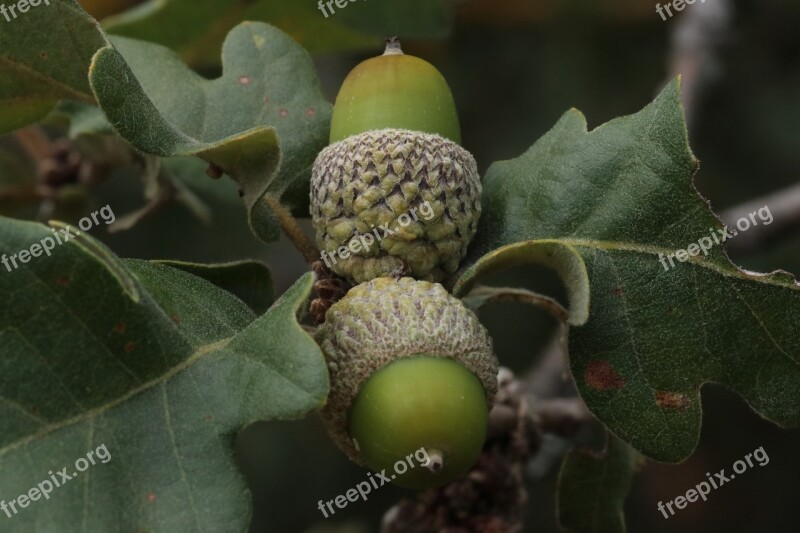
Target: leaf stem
(293, 230)
(512, 294)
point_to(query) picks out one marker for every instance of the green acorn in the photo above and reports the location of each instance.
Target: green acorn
(412, 371)
(394, 192)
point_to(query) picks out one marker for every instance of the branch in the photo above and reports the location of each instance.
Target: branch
(697, 38)
(784, 206)
(293, 230)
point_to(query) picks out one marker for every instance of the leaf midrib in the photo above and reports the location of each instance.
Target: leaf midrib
(94, 412)
(68, 92)
(733, 272)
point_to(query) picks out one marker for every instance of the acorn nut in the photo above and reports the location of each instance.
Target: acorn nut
(411, 368)
(394, 192)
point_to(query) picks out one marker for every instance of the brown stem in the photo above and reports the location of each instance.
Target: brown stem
(293, 230)
(513, 294)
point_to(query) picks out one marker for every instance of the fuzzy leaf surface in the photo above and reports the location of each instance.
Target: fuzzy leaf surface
(203, 25)
(592, 488)
(44, 57)
(263, 121)
(161, 367)
(621, 195)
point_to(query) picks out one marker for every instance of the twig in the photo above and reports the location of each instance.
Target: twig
(293, 230)
(696, 39)
(549, 377)
(784, 206)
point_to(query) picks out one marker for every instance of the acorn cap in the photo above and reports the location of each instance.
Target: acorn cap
(384, 320)
(399, 201)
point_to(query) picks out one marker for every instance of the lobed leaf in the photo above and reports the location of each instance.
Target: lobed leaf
(44, 57)
(361, 24)
(621, 195)
(161, 367)
(262, 122)
(592, 488)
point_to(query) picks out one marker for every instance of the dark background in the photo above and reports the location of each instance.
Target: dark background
(515, 66)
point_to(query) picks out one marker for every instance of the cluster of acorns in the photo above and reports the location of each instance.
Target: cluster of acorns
(410, 366)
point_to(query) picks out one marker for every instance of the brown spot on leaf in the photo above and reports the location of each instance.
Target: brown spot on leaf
(175, 318)
(63, 281)
(208, 418)
(43, 54)
(151, 497)
(311, 112)
(130, 346)
(599, 375)
(283, 113)
(120, 327)
(244, 80)
(617, 291)
(672, 400)
(266, 99)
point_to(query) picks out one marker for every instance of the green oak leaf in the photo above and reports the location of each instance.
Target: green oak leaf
(80, 119)
(250, 281)
(362, 24)
(621, 195)
(562, 258)
(592, 488)
(159, 366)
(262, 122)
(44, 57)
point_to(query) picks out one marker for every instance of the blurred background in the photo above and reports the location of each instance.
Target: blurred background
(514, 66)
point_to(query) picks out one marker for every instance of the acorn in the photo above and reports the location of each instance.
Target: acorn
(413, 377)
(394, 192)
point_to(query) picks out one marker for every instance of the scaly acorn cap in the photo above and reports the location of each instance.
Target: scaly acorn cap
(394, 194)
(387, 320)
(394, 201)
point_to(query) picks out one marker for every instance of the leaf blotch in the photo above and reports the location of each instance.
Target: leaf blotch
(63, 281)
(311, 112)
(283, 113)
(129, 347)
(151, 497)
(175, 318)
(599, 375)
(672, 400)
(245, 80)
(617, 291)
(120, 327)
